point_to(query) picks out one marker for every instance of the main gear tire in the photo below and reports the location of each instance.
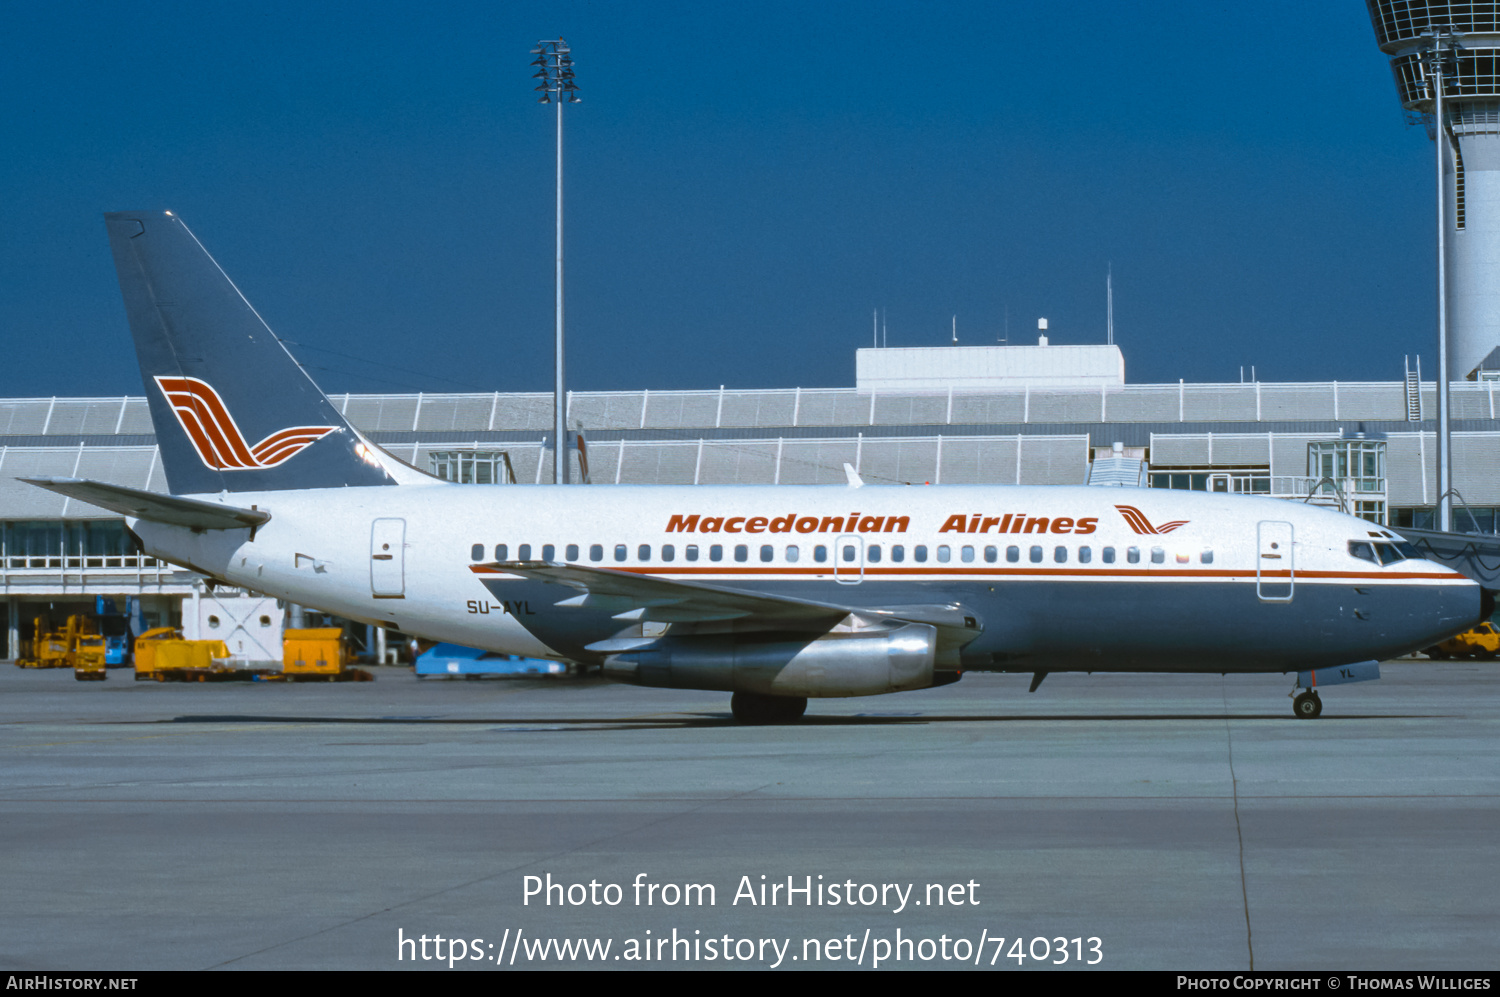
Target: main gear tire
(754, 709)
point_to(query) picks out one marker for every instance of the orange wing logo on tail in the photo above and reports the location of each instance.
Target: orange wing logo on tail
(1138, 521)
(213, 432)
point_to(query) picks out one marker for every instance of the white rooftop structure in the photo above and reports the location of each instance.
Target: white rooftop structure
(970, 368)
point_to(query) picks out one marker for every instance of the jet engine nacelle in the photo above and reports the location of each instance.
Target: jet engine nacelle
(836, 664)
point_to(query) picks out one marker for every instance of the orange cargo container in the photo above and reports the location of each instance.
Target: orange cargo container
(318, 651)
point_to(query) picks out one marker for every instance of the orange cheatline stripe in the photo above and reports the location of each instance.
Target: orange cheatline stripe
(1137, 574)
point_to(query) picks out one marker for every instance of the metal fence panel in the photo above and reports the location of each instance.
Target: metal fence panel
(817, 462)
(989, 409)
(1056, 405)
(909, 461)
(1054, 460)
(1240, 449)
(754, 409)
(1373, 402)
(1218, 402)
(469, 413)
(23, 416)
(738, 462)
(1409, 459)
(23, 501)
(659, 463)
(911, 410)
(1476, 470)
(1179, 451)
(1142, 403)
(681, 409)
(1298, 402)
(604, 409)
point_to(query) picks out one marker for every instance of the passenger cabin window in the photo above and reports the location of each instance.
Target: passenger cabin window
(820, 553)
(1207, 557)
(872, 553)
(850, 555)
(691, 552)
(716, 552)
(898, 553)
(1036, 555)
(523, 552)
(1060, 555)
(619, 552)
(501, 552)
(767, 553)
(596, 552)
(991, 555)
(792, 554)
(572, 552)
(476, 552)
(1158, 555)
(549, 552)
(1107, 555)
(967, 554)
(1012, 554)
(1133, 555)
(643, 552)
(919, 553)
(668, 552)
(1085, 555)
(741, 553)
(944, 553)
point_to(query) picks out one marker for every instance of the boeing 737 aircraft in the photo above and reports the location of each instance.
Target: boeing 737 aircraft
(774, 594)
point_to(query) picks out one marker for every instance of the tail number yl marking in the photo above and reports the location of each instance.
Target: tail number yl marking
(518, 608)
(217, 438)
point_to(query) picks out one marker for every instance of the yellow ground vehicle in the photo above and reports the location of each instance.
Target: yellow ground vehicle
(88, 658)
(163, 655)
(75, 646)
(1481, 642)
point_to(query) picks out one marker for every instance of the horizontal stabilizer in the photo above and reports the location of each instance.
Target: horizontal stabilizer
(191, 513)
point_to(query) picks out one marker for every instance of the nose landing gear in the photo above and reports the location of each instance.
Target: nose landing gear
(1307, 705)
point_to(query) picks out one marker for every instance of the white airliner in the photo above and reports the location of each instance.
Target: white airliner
(774, 594)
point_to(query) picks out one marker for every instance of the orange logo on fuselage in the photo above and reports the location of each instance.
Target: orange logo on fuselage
(1138, 522)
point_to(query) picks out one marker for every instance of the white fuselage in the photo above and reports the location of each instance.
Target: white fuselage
(1034, 561)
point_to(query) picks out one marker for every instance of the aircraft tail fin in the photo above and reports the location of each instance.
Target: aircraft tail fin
(233, 411)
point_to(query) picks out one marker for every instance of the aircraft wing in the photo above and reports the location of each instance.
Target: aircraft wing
(153, 507)
(645, 598)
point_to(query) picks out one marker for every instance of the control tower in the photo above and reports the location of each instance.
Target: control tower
(1408, 31)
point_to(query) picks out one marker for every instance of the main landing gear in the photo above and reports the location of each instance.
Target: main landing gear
(754, 708)
(1307, 705)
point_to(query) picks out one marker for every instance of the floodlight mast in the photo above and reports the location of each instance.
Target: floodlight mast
(554, 75)
(1444, 435)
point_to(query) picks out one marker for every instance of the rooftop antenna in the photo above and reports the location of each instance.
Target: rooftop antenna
(885, 339)
(875, 326)
(1109, 305)
(955, 330)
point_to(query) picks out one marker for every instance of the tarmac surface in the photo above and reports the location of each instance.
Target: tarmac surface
(1181, 822)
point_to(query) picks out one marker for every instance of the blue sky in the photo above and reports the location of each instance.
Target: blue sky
(744, 183)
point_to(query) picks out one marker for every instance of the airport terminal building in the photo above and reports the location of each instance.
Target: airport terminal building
(1042, 415)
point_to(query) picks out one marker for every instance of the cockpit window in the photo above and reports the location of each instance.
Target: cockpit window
(1380, 552)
